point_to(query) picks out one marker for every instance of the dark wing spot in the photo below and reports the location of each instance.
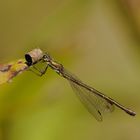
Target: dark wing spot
(99, 113)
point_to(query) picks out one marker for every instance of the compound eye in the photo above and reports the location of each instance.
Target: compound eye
(46, 58)
(28, 59)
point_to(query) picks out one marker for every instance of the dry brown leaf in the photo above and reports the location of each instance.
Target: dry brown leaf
(12, 69)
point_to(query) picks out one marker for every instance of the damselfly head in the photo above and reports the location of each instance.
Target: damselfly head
(47, 57)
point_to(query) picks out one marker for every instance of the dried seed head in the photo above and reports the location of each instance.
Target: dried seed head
(33, 56)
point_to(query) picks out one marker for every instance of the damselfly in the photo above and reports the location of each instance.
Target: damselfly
(96, 102)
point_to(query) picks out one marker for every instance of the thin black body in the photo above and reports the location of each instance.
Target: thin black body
(96, 102)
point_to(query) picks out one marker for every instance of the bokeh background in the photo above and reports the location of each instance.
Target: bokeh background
(97, 40)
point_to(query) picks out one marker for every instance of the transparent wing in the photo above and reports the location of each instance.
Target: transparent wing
(95, 104)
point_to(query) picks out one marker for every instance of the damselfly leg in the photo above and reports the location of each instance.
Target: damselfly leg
(38, 71)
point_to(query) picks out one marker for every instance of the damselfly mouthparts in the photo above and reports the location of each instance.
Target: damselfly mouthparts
(96, 102)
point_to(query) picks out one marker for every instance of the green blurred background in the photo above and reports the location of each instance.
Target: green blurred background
(97, 40)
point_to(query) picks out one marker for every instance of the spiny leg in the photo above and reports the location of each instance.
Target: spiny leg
(38, 72)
